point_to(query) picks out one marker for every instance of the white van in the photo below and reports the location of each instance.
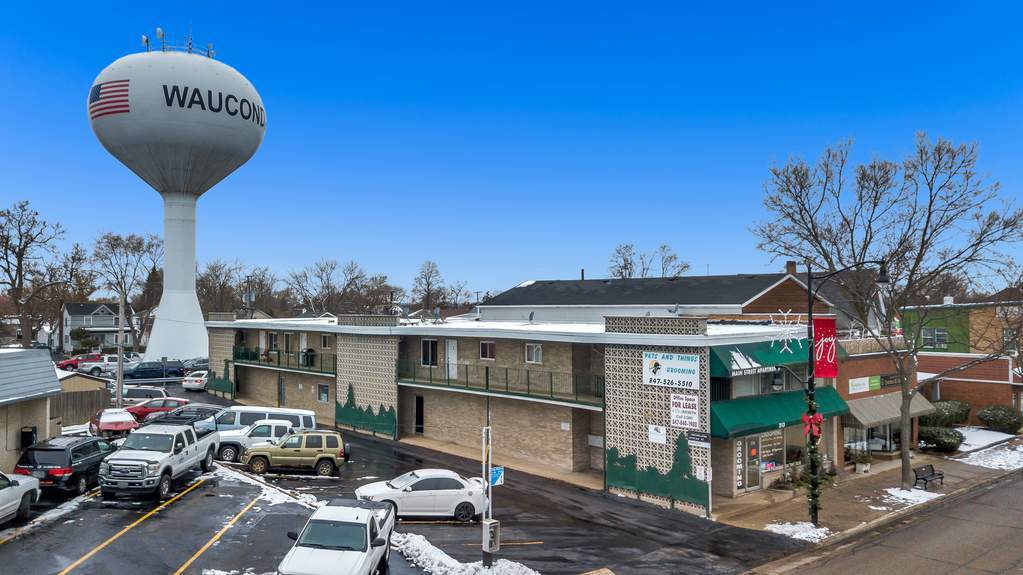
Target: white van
(239, 416)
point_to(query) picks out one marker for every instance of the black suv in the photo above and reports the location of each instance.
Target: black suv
(65, 463)
(156, 370)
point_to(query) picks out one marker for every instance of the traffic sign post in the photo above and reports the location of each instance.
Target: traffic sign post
(488, 542)
(496, 476)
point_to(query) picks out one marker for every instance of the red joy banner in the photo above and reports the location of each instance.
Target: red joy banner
(825, 348)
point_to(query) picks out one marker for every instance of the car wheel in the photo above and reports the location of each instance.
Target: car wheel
(464, 512)
(325, 468)
(24, 507)
(96, 371)
(163, 488)
(82, 486)
(258, 465)
(228, 453)
(207, 462)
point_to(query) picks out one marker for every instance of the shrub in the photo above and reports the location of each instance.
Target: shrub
(948, 414)
(1001, 418)
(941, 438)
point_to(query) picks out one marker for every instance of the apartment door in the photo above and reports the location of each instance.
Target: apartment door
(419, 414)
(451, 358)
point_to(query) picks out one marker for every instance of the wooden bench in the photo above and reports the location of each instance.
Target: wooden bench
(926, 474)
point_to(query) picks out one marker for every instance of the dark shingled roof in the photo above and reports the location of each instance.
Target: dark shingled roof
(685, 290)
(88, 308)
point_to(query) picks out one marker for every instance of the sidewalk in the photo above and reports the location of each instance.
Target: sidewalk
(853, 500)
(589, 480)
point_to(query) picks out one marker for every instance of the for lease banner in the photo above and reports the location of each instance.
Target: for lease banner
(685, 411)
(677, 370)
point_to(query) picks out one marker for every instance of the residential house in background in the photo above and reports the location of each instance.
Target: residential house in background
(99, 320)
(28, 384)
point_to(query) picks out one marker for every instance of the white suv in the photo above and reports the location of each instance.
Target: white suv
(16, 496)
(234, 442)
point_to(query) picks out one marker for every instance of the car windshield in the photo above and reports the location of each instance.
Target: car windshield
(335, 535)
(148, 442)
(402, 480)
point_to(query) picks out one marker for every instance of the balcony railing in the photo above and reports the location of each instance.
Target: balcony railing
(571, 387)
(308, 360)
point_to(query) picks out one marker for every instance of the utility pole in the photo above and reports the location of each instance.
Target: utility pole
(120, 351)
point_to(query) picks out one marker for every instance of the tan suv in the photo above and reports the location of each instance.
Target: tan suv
(323, 451)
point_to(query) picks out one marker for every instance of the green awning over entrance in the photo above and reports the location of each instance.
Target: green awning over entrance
(749, 415)
(752, 358)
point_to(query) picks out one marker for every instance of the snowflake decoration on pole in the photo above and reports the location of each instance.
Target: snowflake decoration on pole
(793, 330)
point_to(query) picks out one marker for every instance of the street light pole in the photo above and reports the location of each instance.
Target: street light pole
(813, 428)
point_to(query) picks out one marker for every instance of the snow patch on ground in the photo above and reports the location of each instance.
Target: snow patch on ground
(879, 508)
(802, 530)
(998, 457)
(421, 554)
(977, 437)
(908, 498)
(272, 495)
(55, 513)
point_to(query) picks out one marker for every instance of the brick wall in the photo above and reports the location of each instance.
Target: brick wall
(522, 429)
(866, 366)
(221, 349)
(258, 386)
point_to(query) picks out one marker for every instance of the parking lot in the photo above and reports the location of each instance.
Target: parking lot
(227, 521)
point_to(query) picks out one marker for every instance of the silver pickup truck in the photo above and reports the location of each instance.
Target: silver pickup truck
(153, 456)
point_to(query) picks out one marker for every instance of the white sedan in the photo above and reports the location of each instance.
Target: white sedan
(16, 496)
(195, 381)
(430, 492)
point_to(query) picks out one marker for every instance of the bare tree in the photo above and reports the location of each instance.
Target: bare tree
(215, 285)
(325, 286)
(123, 263)
(928, 218)
(71, 279)
(26, 241)
(627, 263)
(458, 292)
(428, 287)
(671, 265)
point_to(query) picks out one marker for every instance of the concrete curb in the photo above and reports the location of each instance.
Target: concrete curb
(840, 541)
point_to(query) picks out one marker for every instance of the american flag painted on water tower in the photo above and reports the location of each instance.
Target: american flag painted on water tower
(108, 98)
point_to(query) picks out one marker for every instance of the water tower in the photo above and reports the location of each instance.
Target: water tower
(182, 122)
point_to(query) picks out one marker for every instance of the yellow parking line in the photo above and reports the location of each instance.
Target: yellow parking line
(216, 537)
(101, 546)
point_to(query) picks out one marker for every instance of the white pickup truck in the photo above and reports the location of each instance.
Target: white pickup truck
(17, 494)
(154, 455)
(345, 536)
(234, 442)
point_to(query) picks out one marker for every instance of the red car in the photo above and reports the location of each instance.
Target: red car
(155, 405)
(71, 363)
(112, 423)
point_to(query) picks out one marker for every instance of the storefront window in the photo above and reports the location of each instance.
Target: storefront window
(794, 444)
(772, 451)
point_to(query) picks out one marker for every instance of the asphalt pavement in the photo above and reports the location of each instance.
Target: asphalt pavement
(981, 533)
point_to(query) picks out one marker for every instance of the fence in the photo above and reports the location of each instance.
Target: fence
(77, 407)
(308, 360)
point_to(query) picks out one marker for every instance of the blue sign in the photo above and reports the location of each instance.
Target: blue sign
(496, 476)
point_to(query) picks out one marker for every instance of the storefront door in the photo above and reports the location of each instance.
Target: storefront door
(752, 463)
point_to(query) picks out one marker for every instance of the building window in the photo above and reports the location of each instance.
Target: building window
(488, 350)
(324, 341)
(323, 392)
(534, 353)
(241, 337)
(429, 352)
(271, 342)
(934, 337)
(1010, 339)
(287, 343)
(88, 320)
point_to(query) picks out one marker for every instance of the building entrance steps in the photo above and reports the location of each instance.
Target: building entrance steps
(588, 479)
(853, 499)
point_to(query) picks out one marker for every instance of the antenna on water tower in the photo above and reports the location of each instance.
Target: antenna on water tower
(145, 42)
(209, 50)
(159, 37)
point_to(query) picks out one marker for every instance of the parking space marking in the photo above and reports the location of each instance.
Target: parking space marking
(216, 537)
(131, 526)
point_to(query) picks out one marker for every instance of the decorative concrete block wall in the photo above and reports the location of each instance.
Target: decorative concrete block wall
(367, 388)
(673, 474)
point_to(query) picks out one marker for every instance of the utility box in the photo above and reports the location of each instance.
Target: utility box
(28, 436)
(491, 535)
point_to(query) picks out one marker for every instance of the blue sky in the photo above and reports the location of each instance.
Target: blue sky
(512, 142)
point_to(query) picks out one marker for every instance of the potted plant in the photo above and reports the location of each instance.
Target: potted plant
(862, 460)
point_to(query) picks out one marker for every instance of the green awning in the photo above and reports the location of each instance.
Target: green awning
(748, 415)
(759, 357)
